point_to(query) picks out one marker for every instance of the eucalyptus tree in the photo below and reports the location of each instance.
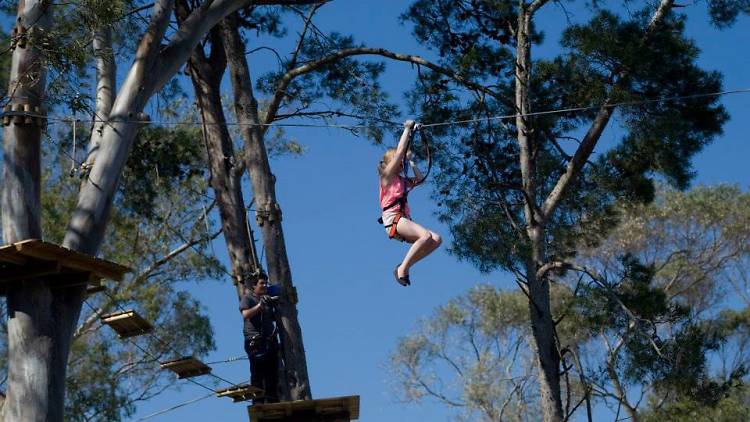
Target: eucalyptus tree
(520, 191)
(42, 327)
(471, 356)
(340, 87)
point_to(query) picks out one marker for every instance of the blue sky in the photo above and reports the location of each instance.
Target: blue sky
(351, 310)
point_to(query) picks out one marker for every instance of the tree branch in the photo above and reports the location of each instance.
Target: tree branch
(281, 89)
(194, 28)
(600, 122)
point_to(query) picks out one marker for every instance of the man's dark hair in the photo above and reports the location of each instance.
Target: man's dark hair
(252, 281)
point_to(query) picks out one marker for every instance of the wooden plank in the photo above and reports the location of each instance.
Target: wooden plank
(187, 367)
(330, 409)
(9, 253)
(127, 323)
(36, 259)
(241, 392)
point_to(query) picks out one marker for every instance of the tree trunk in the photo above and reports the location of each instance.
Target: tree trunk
(542, 325)
(106, 85)
(543, 333)
(206, 74)
(39, 321)
(268, 211)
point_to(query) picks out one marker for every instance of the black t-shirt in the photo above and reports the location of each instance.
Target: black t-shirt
(262, 323)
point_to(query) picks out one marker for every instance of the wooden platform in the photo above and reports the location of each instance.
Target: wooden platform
(242, 392)
(35, 259)
(337, 409)
(127, 323)
(187, 367)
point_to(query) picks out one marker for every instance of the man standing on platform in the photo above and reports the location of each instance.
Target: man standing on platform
(261, 339)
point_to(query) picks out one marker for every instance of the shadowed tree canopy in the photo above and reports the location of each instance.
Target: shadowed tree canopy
(724, 13)
(478, 161)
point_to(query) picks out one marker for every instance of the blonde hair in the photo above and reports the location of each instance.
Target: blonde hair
(387, 157)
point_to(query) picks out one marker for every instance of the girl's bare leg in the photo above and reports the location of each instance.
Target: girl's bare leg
(423, 243)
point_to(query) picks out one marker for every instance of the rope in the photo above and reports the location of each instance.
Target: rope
(428, 155)
(593, 107)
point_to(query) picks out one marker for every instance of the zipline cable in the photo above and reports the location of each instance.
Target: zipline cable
(593, 107)
(424, 125)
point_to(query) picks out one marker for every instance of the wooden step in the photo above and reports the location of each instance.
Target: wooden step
(242, 392)
(127, 323)
(187, 367)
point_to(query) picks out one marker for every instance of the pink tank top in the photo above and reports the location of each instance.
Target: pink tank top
(390, 193)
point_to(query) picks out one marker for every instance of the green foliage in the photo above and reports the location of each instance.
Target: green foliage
(733, 407)
(633, 308)
(724, 13)
(67, 46)
(262, 20)
(472, 37)
(655, 322)
(698, 240)
(161, 156)
(659, 303)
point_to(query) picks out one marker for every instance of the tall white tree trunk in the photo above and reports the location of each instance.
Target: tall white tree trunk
(106, 86)
(38, 335)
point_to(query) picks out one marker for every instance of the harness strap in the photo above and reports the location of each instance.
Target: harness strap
(392, 228)
(401, 200)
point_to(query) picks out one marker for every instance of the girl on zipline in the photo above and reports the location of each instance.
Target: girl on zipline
(396, 219)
